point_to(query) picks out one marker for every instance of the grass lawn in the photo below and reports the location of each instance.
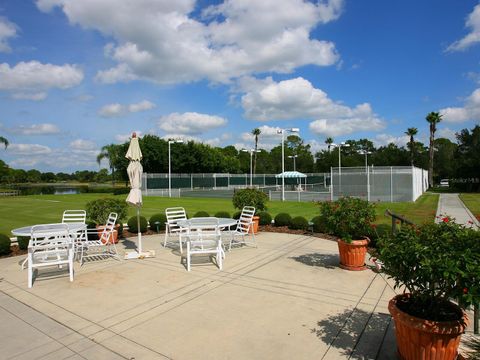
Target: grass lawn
(472, 201)
(36, 209)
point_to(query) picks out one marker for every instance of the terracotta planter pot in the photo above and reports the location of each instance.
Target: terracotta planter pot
(352, 255)
(254, 227)
(114, 235)
(419, 339)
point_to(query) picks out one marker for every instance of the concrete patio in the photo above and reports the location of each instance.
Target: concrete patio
(287, 299)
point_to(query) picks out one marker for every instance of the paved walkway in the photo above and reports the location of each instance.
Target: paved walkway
(451, 205)
(287, 299)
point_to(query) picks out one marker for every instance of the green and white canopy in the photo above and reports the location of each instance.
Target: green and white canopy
(291, 174)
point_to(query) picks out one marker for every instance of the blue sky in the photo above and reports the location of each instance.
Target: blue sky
(77, 75)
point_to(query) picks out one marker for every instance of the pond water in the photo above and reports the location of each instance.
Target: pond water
(52, 190)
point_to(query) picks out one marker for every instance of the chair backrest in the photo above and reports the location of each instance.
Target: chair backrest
(50, 236)
(108, 228)
(74, 216)
(245, 220)
(204, 230)
(174, 214)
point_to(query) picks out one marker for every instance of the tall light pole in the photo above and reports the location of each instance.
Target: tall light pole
(339, 146)
(294, 158)
(251, 151)
(282, 131)
(170, 142)
(366, 153)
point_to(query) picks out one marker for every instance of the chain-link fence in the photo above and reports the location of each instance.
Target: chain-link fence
(373, 183)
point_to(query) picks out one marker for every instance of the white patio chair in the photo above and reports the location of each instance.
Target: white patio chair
(104, 246)
(172, 230)
(242, 230)
(76, 217)
(204, 240)
(50, 245)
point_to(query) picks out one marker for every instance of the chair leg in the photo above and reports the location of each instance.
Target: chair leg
(180, 243)
(30, 271)
(188, 256)
(165, 237)
(70, 267)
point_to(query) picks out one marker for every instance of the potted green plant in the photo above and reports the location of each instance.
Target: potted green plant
(350, 220)
(251, 197)
(438, 268)
(99, 209)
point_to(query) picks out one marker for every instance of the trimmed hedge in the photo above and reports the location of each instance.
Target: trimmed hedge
(5, 243)
(222, 214)
(161, 218)
(298, 223)
(23, 241)
(237, 215)
(250, 197)
(201, 214)
(133, 224)
(318, 225)
(265, 218)
(283, 219)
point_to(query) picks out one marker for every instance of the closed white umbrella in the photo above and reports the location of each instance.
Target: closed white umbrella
(134, 198)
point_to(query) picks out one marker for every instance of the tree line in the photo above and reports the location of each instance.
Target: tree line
(459, 159)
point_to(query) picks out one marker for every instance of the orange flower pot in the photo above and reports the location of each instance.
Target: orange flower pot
(114, 235)
(352, 255)
(254, 227)
(419, 339)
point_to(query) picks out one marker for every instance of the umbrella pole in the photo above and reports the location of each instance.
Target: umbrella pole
(139, 232)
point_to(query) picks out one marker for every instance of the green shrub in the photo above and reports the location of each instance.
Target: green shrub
(133, 224)
(236, 215)
(265, 218)
(318, 225)
(222, 214)
(121, 191)
(348, 218)
(201, 214)
(98, 210)
(283, 219)
(91, 230)
(250, 197)
(299, 223)
(22, 242)
(161, 218)
(5, 243)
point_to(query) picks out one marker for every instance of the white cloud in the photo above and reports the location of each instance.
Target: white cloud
(297, 99)
(31, 79)
(446, 133)
(112, 110)
(83, 145)
(385, 139)
(470, 110)
(116, 110)
(7, 30)
(29, 149)
(190, 123)
(141, 106)
(35, 129)
(161, 41)
(39, 96)
(473, 37)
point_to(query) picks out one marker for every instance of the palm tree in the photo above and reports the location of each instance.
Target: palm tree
(255, 132)
(329, 142)
(109, 152)
(433, 119)
(4, 141)
(411, 144)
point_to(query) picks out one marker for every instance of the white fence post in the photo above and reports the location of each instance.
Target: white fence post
(331, 183)
(391, 184)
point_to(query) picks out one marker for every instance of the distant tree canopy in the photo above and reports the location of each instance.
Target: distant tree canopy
(453, 160)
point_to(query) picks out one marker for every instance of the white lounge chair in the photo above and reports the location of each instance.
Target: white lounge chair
(242, 230)
(172, 230)
(50, 245)
(206, 240)
(104, 246)
(76, 217)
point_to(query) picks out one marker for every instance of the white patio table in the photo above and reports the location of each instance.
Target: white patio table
(73, 230)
